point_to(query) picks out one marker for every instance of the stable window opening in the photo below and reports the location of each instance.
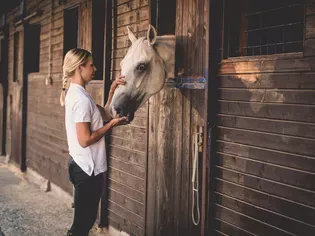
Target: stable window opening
(166, 17)
(98, 27)
(70, 29)
(32, 48)
(263, 27)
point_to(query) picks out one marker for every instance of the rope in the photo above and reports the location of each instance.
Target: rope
(195, 181)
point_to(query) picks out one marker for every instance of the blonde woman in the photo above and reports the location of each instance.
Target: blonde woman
(85, 134)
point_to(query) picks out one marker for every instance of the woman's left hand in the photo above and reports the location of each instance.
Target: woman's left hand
(118, 81)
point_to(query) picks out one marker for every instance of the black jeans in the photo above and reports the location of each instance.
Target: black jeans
(87, 194)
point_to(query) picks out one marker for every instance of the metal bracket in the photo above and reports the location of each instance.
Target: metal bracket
(187, 82)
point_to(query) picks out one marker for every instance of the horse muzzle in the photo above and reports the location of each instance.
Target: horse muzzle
(121, 110)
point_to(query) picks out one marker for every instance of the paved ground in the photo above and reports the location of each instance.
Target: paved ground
(25, 210)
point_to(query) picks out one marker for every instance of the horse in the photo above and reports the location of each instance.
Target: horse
(146, 66)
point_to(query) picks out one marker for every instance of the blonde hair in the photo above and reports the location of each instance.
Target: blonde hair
(74, 58)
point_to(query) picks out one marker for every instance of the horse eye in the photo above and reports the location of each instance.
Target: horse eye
(141, 67)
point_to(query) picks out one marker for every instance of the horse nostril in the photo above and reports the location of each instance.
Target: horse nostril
(119, 111)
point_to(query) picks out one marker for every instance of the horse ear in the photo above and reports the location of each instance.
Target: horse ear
(131, 36)
(151, 30)
(165, 46)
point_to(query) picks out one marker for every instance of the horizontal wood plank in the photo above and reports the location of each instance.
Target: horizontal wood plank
(268, 81)
(290, 160)
(286, 112)
(124, 225)
(129, 192)
(268, 95)
(127, 203)
(134, 218)
(130, 132)
(267, 66)
(262, 215)
(225, 228)
(266, 140)
(297, 129)
(247, 223)
(133, 16)
(127, 167)
(128, 155)
(121, 141)
(298, 195)
(276, 173)
(128, 180)
(261, 199)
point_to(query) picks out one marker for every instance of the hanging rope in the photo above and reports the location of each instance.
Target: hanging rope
(195, 175)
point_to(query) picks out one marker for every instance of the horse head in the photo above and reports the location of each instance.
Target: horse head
(148, 63)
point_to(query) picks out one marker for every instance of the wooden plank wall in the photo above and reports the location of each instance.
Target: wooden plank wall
(47, 150)
(174, 116)
(128, 144)
(265, 156)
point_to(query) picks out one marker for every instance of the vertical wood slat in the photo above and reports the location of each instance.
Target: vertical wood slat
(185, 186)
(17, 95)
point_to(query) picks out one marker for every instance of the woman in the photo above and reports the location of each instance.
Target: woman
(85, 134)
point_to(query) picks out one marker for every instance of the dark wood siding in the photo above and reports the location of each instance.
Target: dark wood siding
(128, 144)
(265, 157)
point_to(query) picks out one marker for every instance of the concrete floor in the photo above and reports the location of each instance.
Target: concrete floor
(25, 210)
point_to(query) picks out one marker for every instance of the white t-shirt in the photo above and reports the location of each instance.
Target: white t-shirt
(80, 107)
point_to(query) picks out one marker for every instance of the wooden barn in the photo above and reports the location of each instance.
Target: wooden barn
(239, 116)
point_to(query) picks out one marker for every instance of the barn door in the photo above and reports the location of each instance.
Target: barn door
(4, 88)
(26, 60)
(16, 103)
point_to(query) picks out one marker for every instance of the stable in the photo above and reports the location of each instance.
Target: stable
(227, 147)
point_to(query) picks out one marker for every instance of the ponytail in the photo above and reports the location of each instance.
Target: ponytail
(63, 92)
(72, 60)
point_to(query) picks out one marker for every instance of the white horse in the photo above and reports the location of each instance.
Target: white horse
(146, 66)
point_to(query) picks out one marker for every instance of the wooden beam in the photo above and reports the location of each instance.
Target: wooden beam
(36, 13)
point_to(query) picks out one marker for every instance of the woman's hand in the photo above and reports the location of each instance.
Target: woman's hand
(119, 121)
(118, 81)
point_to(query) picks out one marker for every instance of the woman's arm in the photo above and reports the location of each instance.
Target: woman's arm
(105, 110)
(105, 113)
(86, 137)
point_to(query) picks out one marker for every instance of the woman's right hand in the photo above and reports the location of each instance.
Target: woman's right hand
(119, 121)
